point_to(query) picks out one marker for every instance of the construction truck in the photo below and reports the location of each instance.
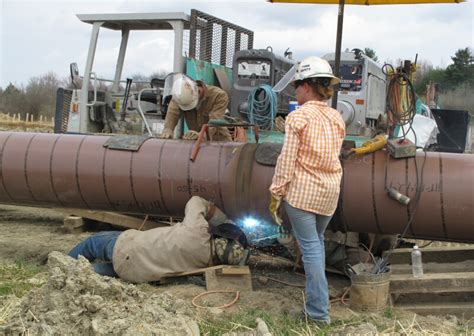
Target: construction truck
(208, 42)
(221, 53)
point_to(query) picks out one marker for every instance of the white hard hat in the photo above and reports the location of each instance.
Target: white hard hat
(315, 67)
(185, 92)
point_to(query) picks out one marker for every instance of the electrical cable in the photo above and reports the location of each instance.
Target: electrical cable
(426, 245)
(401, 110)
(419, 186)
(400, 101)
(237, 296)
(262, 105)
(279, 281)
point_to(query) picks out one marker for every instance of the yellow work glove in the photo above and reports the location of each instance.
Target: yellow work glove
(191, 135)
(274, 206)
(166, 134)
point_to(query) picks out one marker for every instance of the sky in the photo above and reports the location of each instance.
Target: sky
(39, 36)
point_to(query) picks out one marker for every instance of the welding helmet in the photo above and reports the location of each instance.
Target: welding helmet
(185, 92)
(230, 244)
(315, 67)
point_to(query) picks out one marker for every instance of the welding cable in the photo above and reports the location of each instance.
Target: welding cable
(426, 245)
(342, 298)
(280, 281)
(400, 100)
(227, 305)
(262, 105)
(419, 186)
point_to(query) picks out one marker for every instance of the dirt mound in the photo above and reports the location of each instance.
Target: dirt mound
(77, 301)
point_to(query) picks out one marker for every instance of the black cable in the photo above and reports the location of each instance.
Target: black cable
(419, 190)
(400, 114)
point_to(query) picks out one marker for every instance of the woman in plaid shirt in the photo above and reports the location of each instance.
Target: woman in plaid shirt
(308, 175)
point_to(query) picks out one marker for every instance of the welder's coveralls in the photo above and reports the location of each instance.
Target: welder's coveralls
(143, 256)
(211, 106)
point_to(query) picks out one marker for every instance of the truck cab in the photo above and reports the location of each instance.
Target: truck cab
(362, 91)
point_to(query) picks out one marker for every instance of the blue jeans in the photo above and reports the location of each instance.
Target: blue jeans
(309, 230)
(99, 247)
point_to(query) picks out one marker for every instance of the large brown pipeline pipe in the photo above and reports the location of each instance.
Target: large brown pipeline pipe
(76, 171)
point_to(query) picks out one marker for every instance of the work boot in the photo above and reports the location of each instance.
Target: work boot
(300, 315)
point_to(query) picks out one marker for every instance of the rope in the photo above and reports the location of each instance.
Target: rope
(262, 106)
(237, 296)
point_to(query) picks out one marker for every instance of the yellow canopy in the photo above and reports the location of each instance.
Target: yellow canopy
(369, 2)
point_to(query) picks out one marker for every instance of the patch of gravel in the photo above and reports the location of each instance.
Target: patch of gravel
(77, 301)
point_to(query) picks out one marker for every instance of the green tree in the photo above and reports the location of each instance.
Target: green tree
(371, 53)
(462, 69)
(41, 95)
(13, 100)
(437, 75)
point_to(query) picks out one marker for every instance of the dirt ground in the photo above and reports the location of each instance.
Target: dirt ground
(30, 234)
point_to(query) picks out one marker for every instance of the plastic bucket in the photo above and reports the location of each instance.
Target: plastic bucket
(292, 105)
(369, 292)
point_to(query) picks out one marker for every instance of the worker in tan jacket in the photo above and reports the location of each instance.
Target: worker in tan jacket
(200, 240)
(198, 103)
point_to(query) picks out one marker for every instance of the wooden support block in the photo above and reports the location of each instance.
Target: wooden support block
(432, 283)
(216, 279)
(222, 277)
(73, 224)
(129, 222)
(433, 254)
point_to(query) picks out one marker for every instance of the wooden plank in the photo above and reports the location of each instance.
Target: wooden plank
(129, 222)
(193, 272)
(464, 266)
(203, 270)
(233, 270)
(465, 309)
(432, 283)
(273, 262)
(434, 254)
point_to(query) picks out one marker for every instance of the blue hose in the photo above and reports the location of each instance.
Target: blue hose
(262, 111)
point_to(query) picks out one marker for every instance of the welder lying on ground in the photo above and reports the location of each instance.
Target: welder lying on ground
(203, 238)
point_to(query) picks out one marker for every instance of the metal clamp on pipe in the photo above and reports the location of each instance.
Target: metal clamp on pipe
(398, 196)
(218, 123)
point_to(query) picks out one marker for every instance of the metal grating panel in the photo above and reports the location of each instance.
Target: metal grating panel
(215, 40)
(63, 105)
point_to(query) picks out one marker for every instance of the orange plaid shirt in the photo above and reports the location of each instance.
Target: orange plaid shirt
(308, 172)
